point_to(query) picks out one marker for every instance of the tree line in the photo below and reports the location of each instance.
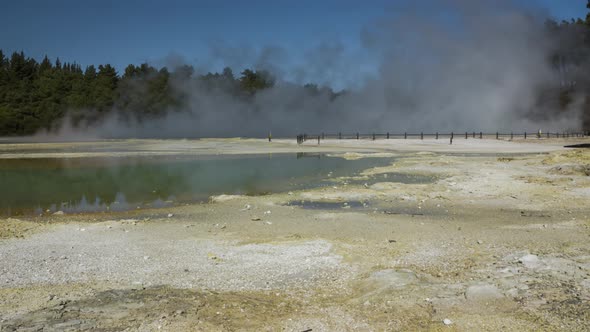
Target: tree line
(38, 95)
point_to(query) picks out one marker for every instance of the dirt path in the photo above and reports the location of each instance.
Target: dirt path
(491, 243)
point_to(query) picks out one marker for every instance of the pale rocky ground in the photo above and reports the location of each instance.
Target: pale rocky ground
(498, 241)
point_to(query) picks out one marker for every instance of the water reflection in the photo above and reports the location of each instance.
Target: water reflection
(114, 184)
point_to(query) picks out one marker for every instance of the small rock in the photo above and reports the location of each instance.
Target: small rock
(246, 207)
(256, 219)
(447, 321)
(482, 292)
(391, 241)
(530, 261)
(267, 212)
(170, 215)
(146, 257)
(268, 223)
(479, 242)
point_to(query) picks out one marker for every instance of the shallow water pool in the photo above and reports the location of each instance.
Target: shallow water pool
(75, 185)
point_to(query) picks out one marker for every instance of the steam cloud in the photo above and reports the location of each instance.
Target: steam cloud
(456, 66)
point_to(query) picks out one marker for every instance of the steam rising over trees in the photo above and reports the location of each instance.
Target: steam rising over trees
(38, 96)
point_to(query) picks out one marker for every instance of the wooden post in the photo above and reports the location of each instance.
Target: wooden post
(525, 135)
(421, 135)
(474, 134)
(387, 135)
(480, 135)
(452, 138)
(405, 135)
(465, 135)
(319, 139)
(437, 135)
(511, 136)
(357, 135)
(497, 135)
(373, 136)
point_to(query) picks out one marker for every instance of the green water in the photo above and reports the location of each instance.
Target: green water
(34, 186)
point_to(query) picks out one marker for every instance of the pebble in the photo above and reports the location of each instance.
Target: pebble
(447, 321)
(483, 292)
(529, 260)
(479, 242)
(170, 215)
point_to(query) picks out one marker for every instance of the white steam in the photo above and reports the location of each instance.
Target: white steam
(462, 66)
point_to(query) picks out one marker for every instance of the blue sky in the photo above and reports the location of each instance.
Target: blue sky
(134, 31)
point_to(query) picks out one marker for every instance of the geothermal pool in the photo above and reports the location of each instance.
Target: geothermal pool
(76, 185)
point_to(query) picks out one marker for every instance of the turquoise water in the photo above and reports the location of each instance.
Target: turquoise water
(76, 185)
